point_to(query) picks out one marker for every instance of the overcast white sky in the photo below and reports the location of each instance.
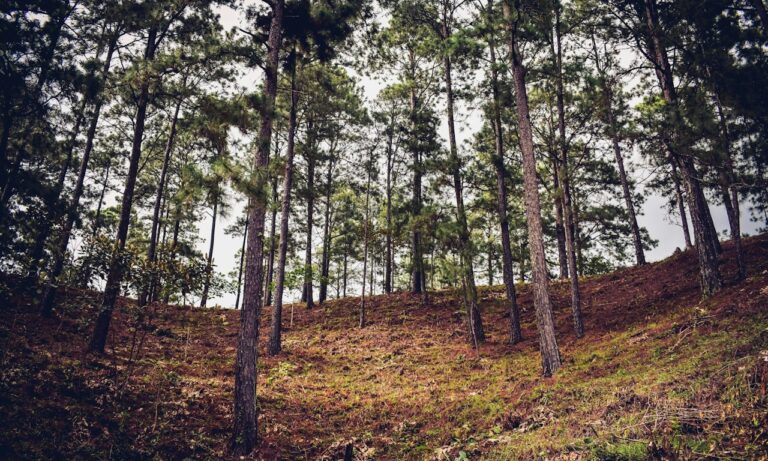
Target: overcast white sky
(662, 227)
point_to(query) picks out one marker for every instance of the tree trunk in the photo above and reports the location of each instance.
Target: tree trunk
(417, 271)
(550, 355)
(625, 186)
(474, 320)
(275, 338)
(729, 189)
(570, 244)
(240, 267)
(8, 176)
(245, 425)
(272, 245)
(159, 197)
(346, 253)
(115, 274)
(209, 260)
(562, 254)
(366, 226)
(326, 259)
(388, 251)
(308, 291)
(706, 241)
(681, 204)
(51, 200)
(515, 332)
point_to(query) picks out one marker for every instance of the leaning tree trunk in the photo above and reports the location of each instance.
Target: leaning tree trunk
(681, 204)
(570, 244)
(515, 332)
(159, 197)
(706, 240)
(9, 173)
(52, 202)
(115, 274)
(275, 344)
(550, 355)
(245, 424)
(727, 178)
(476, 333)
(625, 186)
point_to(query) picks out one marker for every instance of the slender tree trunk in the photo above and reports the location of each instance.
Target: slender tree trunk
(366, 226)
(308, 290)
(240, 267)
(681, 204)
(474, 320)
(51, 200)
(115, 274)
(326, 259)
(417, 271)
(562, 254)
(625, 186)
(550, 354)
(275, 342)
(346, 253)
(209, 261)
(729, 189)
(388, 243)
(8, 177)
(515, 332)
(706, 240)
(272, 246)
(159, 197)
(570, 244)
(245, 424)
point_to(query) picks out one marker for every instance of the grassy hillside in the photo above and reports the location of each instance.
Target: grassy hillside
(660, 373)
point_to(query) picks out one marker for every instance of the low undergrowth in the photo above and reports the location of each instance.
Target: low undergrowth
(660, 374)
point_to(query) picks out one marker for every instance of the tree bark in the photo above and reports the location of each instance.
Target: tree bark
(209, 260)
(570, 244)
(388, 251)
(275, 341)
(418, 284)
(729, 190)
(115, 274)
(681, 204)
(240, 267)
(272, 245)
(550, 354)
(366, 226)
(308, 290)
(706, 241)
(475, 322)
(244, 435)
(326, 259)
(515, 332)
(159, 197)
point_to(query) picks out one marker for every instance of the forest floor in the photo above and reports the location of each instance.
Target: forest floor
(660, 373)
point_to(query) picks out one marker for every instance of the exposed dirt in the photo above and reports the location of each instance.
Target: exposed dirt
(660, 373)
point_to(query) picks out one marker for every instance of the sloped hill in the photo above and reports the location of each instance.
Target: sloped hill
(660, 373)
